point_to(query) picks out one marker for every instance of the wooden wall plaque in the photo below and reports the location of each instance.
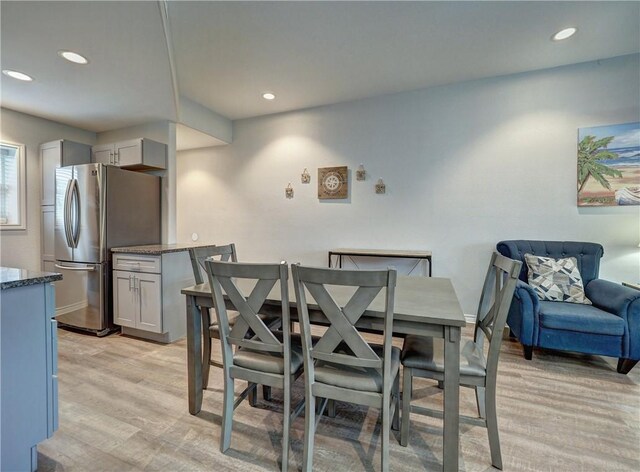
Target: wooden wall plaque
(333, 182)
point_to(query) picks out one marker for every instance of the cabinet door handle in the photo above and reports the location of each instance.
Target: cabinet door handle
(117, 158)
(130, 282)
(136, 283)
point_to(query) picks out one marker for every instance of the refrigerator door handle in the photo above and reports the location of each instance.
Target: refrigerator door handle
(67, 214)
(86, 268)
(75, 198)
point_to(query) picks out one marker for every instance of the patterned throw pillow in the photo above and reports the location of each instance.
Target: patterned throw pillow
(557, 280)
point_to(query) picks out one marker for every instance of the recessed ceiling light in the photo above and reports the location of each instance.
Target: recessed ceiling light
(17, 75)
(73, 57)
(268, 96)
(564, 34)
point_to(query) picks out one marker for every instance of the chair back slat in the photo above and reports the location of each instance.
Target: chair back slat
(342, 344)
(493, 308)
(249, 330)
(255, 345)
(351, 278)
(341, 323)
(345, 359)
(248, 311)
(199, 254)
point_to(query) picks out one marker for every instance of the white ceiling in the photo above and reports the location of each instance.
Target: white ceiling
(308, 53)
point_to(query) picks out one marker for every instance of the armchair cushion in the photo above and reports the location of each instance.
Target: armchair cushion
(580, 318)
(556, 280)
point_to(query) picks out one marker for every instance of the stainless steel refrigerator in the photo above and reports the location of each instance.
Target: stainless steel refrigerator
(98, 207)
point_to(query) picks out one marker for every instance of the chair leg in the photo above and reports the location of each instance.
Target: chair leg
(286, 426)
(266, 393)
(625, 365)
(407, 381)
(227, 413)
(253, 393)
(309, 432)
(331, 408)
(480, 401)
(206, 346)
(395, 395)
(492, 426)
(386, 430)
(528, 352)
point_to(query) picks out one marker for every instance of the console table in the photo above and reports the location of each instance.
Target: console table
(399, 254)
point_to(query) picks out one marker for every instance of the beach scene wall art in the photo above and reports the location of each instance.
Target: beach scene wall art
(609, 165)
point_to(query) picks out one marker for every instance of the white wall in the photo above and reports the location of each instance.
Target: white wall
(22, 248)
(465, 165)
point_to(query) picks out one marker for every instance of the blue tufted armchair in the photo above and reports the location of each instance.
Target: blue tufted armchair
(609, 327)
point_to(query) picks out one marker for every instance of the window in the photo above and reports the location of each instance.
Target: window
(12, 186)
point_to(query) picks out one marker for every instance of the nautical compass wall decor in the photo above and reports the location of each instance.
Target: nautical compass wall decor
(333, 182)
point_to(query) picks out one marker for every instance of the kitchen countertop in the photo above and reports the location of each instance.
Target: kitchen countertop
(157, 249)
(11, 277)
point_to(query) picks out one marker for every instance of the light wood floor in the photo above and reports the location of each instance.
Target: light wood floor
(123, 406)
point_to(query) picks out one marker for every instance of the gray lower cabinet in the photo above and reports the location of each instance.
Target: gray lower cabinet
(28, 374)
(147, 302)
(137, 300)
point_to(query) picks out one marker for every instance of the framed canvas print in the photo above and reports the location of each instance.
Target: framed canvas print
(333, 183)
(609, 165)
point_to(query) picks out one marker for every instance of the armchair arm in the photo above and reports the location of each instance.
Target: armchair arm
(523, 314)
(623, 302)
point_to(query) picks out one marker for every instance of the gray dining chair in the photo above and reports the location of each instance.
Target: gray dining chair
(225, 253)
(341, 365)
(423, 356)
(209, 327)
(264, 357)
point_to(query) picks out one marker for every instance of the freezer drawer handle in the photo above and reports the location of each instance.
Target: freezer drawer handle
(84, 268)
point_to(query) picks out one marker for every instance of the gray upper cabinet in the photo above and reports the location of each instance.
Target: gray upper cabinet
(102, 154)
(56, 154)
(134, 154)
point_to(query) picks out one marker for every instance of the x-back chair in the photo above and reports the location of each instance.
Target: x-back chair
(422, 356)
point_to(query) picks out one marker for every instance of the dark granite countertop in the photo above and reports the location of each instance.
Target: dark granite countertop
(11, 277)
(157, 249)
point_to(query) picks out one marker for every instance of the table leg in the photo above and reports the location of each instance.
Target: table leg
(451, 438)
(194, 355)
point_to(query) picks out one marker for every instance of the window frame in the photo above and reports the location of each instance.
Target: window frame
(22, 188)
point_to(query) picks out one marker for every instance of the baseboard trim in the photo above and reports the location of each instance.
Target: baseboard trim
(63, 310)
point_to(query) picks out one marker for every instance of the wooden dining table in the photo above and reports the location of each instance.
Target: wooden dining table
(423, 306)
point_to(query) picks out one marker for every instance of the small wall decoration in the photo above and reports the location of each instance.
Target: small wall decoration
(305, 177)
(288, 192)
(609, 165)
(361, 173)
(380, 186)
(333, 182)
